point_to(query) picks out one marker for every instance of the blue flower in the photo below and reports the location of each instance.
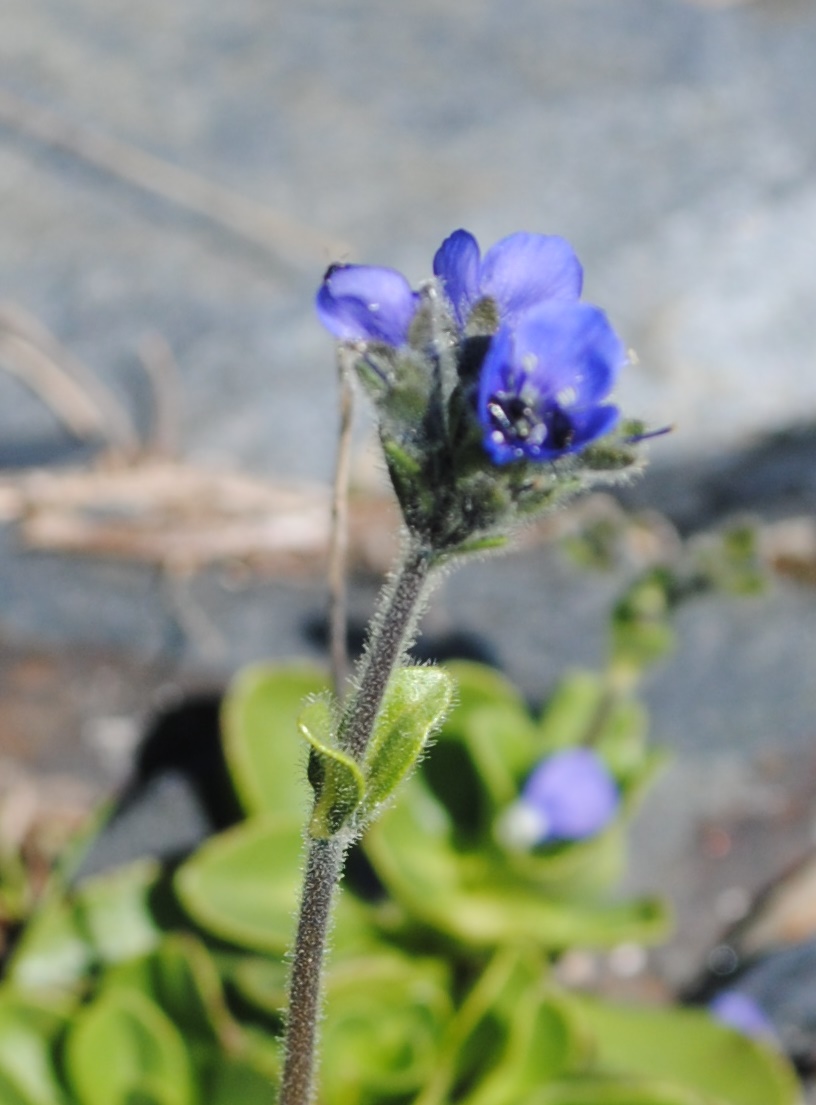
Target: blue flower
(544, 383)
(366, 303)
(570, 796)
(742, 1012)
(517, 273)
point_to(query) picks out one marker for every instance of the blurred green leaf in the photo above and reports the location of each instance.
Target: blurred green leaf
(571, 712)
(731, 560)
(473, 898)
(641, 631)
(415, 703)
(53, 951)
(335, 776)
(243, 884)
(542, 1043)
(386, 1014)
(261, 743)
(187, 986)
(485, 744)
(115, 911)
(262, 982)
(123, 1049)
(689, 1047)
(621, 738)
(29, 1031)
(600, 1090)
(236, 1082)
(479, 685)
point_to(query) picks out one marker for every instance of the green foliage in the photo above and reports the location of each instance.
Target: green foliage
(416, 702)
(686, 1046)
(242, 885)
(123, 1049)
(148, 986)
(336, 778)
(259, 717)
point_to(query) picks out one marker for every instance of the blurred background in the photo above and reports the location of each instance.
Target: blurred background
(174, 179)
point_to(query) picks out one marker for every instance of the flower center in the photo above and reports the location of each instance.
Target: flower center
(527, 424)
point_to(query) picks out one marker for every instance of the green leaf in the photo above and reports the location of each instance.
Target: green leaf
(114, 909)
(542, 1043)
(479, 685)
(598, 1090)
(123, 1049)
(689, 1048)
(236, 1082)
(29, 1030)
(261, 743)
(415, 703)
(403, 467)
(336, 777)
(243, 884)
(54, 950)
(570, 712)
(641, 633)
(621, 738)
(501, 742)
(386, 1014)
(262, 982)
(187, 986)
(485, 745)
(474, 898)
(12, 1094)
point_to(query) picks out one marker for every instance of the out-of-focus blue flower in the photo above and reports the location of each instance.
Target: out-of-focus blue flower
(743, 1012)
(366, 303)
(544, 383)
(570, 796)
(517, 273)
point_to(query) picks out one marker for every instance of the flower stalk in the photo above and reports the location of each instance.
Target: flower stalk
(324, 866)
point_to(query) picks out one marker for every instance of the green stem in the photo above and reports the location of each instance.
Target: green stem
(391, 632)
(323, 869)
(324, 865)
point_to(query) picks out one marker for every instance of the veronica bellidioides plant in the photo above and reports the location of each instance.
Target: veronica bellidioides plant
(491, 386)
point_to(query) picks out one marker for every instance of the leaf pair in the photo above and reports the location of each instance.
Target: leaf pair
(348, 793)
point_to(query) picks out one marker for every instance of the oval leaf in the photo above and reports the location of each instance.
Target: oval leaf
(124, 1049)
(114, 909)
(416, 702)
(54, 950)
(264, 754)
(28, 1032)
(243, 884)
(688, 1047)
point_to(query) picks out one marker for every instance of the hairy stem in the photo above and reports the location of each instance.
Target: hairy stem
(324, 865)
(388, 640)
(323, 869)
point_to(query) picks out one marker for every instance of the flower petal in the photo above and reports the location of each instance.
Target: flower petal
(743, 1012)
(456, 264)
(587, 425)
(544, 382)
(365, 303)
(570, 351)
(524, 270)
(574, 792)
